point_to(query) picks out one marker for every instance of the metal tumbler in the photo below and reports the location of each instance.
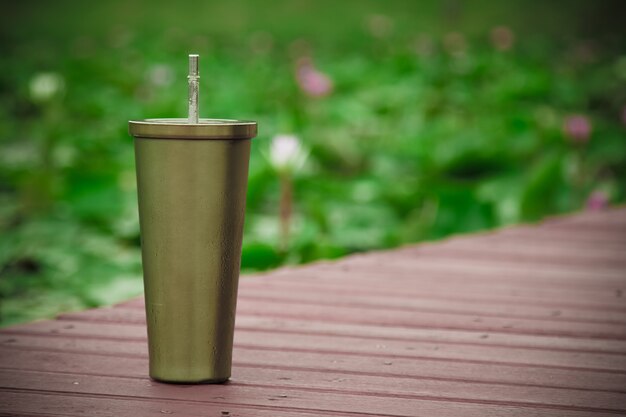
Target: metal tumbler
(192, 180)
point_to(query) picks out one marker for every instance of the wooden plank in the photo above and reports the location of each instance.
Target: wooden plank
(114, 331)
(522, 321)
(95, 365)
(550, 343)
(515, 274)
(319, 293)
(425, 304)
(378, 283)
(314, 295)
(385, 317)
(415, 349)
(548, 258)
(414, 284)
(290, 399)
(564, 257)
(525, 238)
(563, 235)
(514, 250)
(569, 235)
(479, 268)
(29, 403)
(558, 309)
(432, 271)
(353, 363)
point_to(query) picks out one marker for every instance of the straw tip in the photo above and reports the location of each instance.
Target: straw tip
(194, 88)
(193, 64)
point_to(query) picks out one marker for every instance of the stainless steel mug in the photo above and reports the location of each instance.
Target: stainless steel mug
(192, 180)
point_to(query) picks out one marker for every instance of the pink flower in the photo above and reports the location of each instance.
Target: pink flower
(502, 38)
(312, 81)
(597, 200)
(577, 128)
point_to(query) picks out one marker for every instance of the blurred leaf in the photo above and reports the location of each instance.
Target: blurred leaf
(259, 256)
(545, 188)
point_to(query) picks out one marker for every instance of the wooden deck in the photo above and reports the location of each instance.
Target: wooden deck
(527, 321)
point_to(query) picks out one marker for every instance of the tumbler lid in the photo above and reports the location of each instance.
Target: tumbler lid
(193, 127)
(182, 129)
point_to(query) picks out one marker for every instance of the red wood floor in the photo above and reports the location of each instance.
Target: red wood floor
(526, 321)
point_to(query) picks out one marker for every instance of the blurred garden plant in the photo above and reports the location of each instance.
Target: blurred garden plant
(286, 156)
(373, 133)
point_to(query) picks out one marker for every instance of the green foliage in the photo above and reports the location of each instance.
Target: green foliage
(419, 138)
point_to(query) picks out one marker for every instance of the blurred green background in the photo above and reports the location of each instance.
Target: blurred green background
(381, 123)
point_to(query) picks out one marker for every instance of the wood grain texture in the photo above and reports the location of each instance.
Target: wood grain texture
(525, 321)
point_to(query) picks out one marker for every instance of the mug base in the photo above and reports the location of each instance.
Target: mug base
(190, 382)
